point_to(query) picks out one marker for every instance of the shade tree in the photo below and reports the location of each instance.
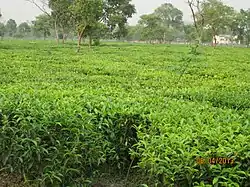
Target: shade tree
(11, 27)
(42, 25)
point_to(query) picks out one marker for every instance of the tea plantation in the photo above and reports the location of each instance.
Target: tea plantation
(144, 111)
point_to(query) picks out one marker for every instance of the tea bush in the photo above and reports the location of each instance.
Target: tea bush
(172, 146)
(64, 144)
(51, 148)
(64, 116)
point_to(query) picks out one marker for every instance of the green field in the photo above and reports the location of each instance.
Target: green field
(64, 116)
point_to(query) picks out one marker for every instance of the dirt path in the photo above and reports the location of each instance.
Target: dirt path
(10, 180)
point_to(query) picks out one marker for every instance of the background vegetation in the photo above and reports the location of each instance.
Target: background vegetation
(64, 20)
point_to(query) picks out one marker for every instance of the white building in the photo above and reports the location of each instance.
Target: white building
(225, 39)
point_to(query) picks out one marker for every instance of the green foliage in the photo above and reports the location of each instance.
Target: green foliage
(134, 32)
(152, 30)
(51, 152)
(86, 13)
(170, 16)
(64, 116)
(61, 13)
(116, 15)
(18, 35)
(77, 15)
(11, 27)
(97, 42)
(217, 16)
(24, 28)
(119, 130)
(189, 32)
(96, 32)
(2, 30)
(241, 26)
(42, 25)
(163, 24)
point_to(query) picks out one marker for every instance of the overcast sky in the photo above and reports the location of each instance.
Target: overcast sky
(20, 10)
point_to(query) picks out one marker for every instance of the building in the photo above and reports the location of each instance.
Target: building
(225, 39)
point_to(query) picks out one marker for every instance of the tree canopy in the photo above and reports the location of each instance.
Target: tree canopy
(42, 25)
(241, 26)
(24, 28)
(96, 19)
(11, 27)
(86, 15)
(217, 16)
(162, 24)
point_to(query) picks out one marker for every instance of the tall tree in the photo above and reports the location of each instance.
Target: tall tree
(62, 16)
(24, 29)
(217, 16)
(152, 30)
(164, 24)
(44, 6)
(241, 26)
(43, 25)
(11, 27)
(198, 19)
(83, 14)
(116, 14)
(170, 16)
(86, 13)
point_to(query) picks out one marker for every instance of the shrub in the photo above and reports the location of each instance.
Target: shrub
(96, 41)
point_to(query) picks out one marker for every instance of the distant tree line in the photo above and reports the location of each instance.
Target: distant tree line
(23, 30)
(211, 18)
(103, 19)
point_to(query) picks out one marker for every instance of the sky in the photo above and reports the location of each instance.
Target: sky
(21, 10)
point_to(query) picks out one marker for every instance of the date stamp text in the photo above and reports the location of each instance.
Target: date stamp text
(215, 160)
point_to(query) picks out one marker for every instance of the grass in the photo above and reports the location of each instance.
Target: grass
(205, 113)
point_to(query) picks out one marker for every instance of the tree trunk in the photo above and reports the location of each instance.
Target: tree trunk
(79, 41)
(80, 35)
(63, 39)
(214, 37)
(56, 32)
(214, 41)
(198, 27)
(90, 41)
(63, 36)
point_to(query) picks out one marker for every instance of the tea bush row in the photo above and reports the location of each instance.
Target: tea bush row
(64, 116)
